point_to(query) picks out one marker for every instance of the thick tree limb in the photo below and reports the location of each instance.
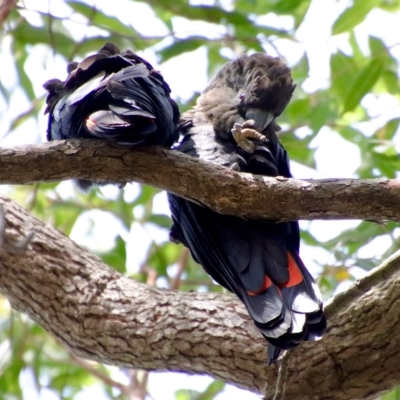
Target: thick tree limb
(115, 320)
(216, 187)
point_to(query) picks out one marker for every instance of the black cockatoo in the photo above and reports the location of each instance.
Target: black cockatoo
(233, 125)
(115, 96)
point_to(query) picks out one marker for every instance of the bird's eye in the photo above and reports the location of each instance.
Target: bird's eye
(242, 96)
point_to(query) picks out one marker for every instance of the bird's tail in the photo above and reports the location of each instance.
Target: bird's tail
(112, 95)
(288, 312)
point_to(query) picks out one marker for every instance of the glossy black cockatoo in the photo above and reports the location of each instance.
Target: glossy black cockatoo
(233, 125)
(114, 96)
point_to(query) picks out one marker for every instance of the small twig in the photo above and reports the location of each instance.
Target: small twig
(34, 106)
(6, 7)
(89, 21)
(112, 32)
(152, 275)
(181, 267)
(282, 375)
(95, 372)
(52, 41)
(138, 387)
(200, 282)
(33, 199)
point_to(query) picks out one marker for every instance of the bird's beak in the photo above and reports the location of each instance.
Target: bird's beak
(261, 118)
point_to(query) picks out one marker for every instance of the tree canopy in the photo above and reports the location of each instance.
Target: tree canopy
(343, 122)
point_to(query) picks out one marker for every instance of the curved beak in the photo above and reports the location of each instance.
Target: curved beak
(260, 117)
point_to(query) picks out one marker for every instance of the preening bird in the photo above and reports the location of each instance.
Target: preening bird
(233, 125)
(115, 96)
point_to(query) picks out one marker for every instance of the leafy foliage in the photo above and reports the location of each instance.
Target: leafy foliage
(357, 102)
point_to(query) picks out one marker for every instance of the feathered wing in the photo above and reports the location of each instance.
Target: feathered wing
(257, 260)
(112, 95)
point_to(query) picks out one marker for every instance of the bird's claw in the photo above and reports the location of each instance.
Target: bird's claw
(235, 167)
(241, 133)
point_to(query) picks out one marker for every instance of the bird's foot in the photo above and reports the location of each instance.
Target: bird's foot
(241, 133)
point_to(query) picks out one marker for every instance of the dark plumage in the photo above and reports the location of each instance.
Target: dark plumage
(257, 260)
(115, 96)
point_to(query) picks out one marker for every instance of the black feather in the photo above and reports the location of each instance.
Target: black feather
(114, 96)
(134, 98)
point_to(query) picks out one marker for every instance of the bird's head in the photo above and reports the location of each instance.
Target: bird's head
(262, 87)
(267, 88)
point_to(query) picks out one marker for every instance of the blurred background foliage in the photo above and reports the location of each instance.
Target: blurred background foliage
(343, 121)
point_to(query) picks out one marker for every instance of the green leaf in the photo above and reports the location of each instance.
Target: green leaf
(36, 106)
(387, 162)
(25, 34)
(358, 236)
(163, 221)
(377, 47)
(295, 8)
(300, 71)
(353, 15)
(308, 238)
(391, 81)
(358, 56)
(9, 384)
(181, 46)
(207, 13)
(65, 214)
(21, 55)
(363, 83)
(298, 110)
(101, 20)
(351, 134)
(392, 395)
(388, 130)
(215, 60)
(116, 258)
(160, 257)
(390, 5)
(319, 115)
(211, 391)
(145, 196)
(287, 6)
(71, 376)
(298, 149)
(343, 71)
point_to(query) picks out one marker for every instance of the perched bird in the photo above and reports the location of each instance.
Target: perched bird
(114, 96)
(233, 125)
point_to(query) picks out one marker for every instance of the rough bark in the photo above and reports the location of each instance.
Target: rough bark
(104, 316)
(208, 184)
(6, 6)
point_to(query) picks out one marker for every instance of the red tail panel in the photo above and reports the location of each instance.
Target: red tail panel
(265, 286)
(295, 275)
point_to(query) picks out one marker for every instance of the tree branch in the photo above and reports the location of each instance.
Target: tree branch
(6, 6)
(216, 187)
(112, 319)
